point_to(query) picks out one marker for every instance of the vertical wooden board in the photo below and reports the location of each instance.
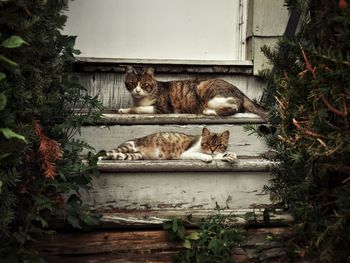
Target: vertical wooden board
(178, 190)
(260, 60)
(270, 17)
(109, 87)
(112, 92)
(106, 138)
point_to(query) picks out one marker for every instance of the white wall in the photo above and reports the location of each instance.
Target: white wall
(158, 29)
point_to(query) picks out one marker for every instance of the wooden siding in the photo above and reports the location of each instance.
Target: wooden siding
(267, 21)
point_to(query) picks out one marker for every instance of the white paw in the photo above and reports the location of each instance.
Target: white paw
(207, 159)
(124, 111)
(209, 112)
(120, 156)
(102, 158)
(229, 156)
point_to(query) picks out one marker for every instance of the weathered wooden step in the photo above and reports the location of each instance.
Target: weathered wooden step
(142, 219)
(178, 190)
(113, 118)
(150, 246)
(240, 165)
(104, 137)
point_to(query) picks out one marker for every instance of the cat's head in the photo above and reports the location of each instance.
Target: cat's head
(214, 143)
(140, 84)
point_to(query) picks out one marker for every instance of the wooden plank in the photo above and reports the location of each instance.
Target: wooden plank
(240, 165)
(108, 137)
(148, 246)
(114, 118)
(178, 190)
(265, 15)
(156, 218)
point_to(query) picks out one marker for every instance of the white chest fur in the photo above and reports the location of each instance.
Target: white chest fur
(146, 101)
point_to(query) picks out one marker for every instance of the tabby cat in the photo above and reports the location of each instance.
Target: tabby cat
(208, 97)
(174, 145)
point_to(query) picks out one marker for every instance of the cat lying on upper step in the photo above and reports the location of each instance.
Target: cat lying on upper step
(174, 146)
(208, 97)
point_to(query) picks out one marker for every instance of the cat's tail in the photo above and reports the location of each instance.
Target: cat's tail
(250, 106)
(117, 155)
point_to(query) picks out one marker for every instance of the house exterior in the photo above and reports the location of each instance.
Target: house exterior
(187, 39)
(180, 39)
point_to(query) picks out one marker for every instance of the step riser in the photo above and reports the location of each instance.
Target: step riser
(106, 138)
(189, 191)
(110, 87)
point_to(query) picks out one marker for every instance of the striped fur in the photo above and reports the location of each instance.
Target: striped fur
(173, 146)
(209, 97)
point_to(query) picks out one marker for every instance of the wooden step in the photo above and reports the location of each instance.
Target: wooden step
(150, 246)
(178, 190)
(104, 137)
(242, 164)
(143, 219)
(113, 118)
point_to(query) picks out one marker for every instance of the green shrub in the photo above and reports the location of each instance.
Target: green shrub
(40, 168)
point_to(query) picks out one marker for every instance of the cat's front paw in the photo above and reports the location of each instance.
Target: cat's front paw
(207, 159)
(229, 157)
(124, 111)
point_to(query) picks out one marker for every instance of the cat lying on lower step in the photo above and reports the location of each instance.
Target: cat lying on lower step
(208, 97)
(174, 146)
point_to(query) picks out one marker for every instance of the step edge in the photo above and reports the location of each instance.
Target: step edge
(144, 166)
(130, 119)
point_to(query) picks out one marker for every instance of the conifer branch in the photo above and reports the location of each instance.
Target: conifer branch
(335, 110)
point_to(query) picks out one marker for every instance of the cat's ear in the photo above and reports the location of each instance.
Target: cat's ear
(225, 135)
(130, 69)
(149, 71)
(205, 132)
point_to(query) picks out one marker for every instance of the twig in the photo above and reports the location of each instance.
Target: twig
(307, 132)
(335, 110)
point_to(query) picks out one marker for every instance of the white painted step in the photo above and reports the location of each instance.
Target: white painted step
(113, 118)
(239, 165)
(178, 190)
(109, 137)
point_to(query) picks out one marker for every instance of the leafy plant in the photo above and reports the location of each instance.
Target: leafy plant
(309, 102)
(42, 106)
(213, 242)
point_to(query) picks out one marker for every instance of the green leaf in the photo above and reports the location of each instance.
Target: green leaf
(8, 61)
(174, 226)
(13, 42)
(2, 76)
(10, 134)
(4, 155)
(193, 236)
(187, 244)
(3, 101)
(73, 221)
